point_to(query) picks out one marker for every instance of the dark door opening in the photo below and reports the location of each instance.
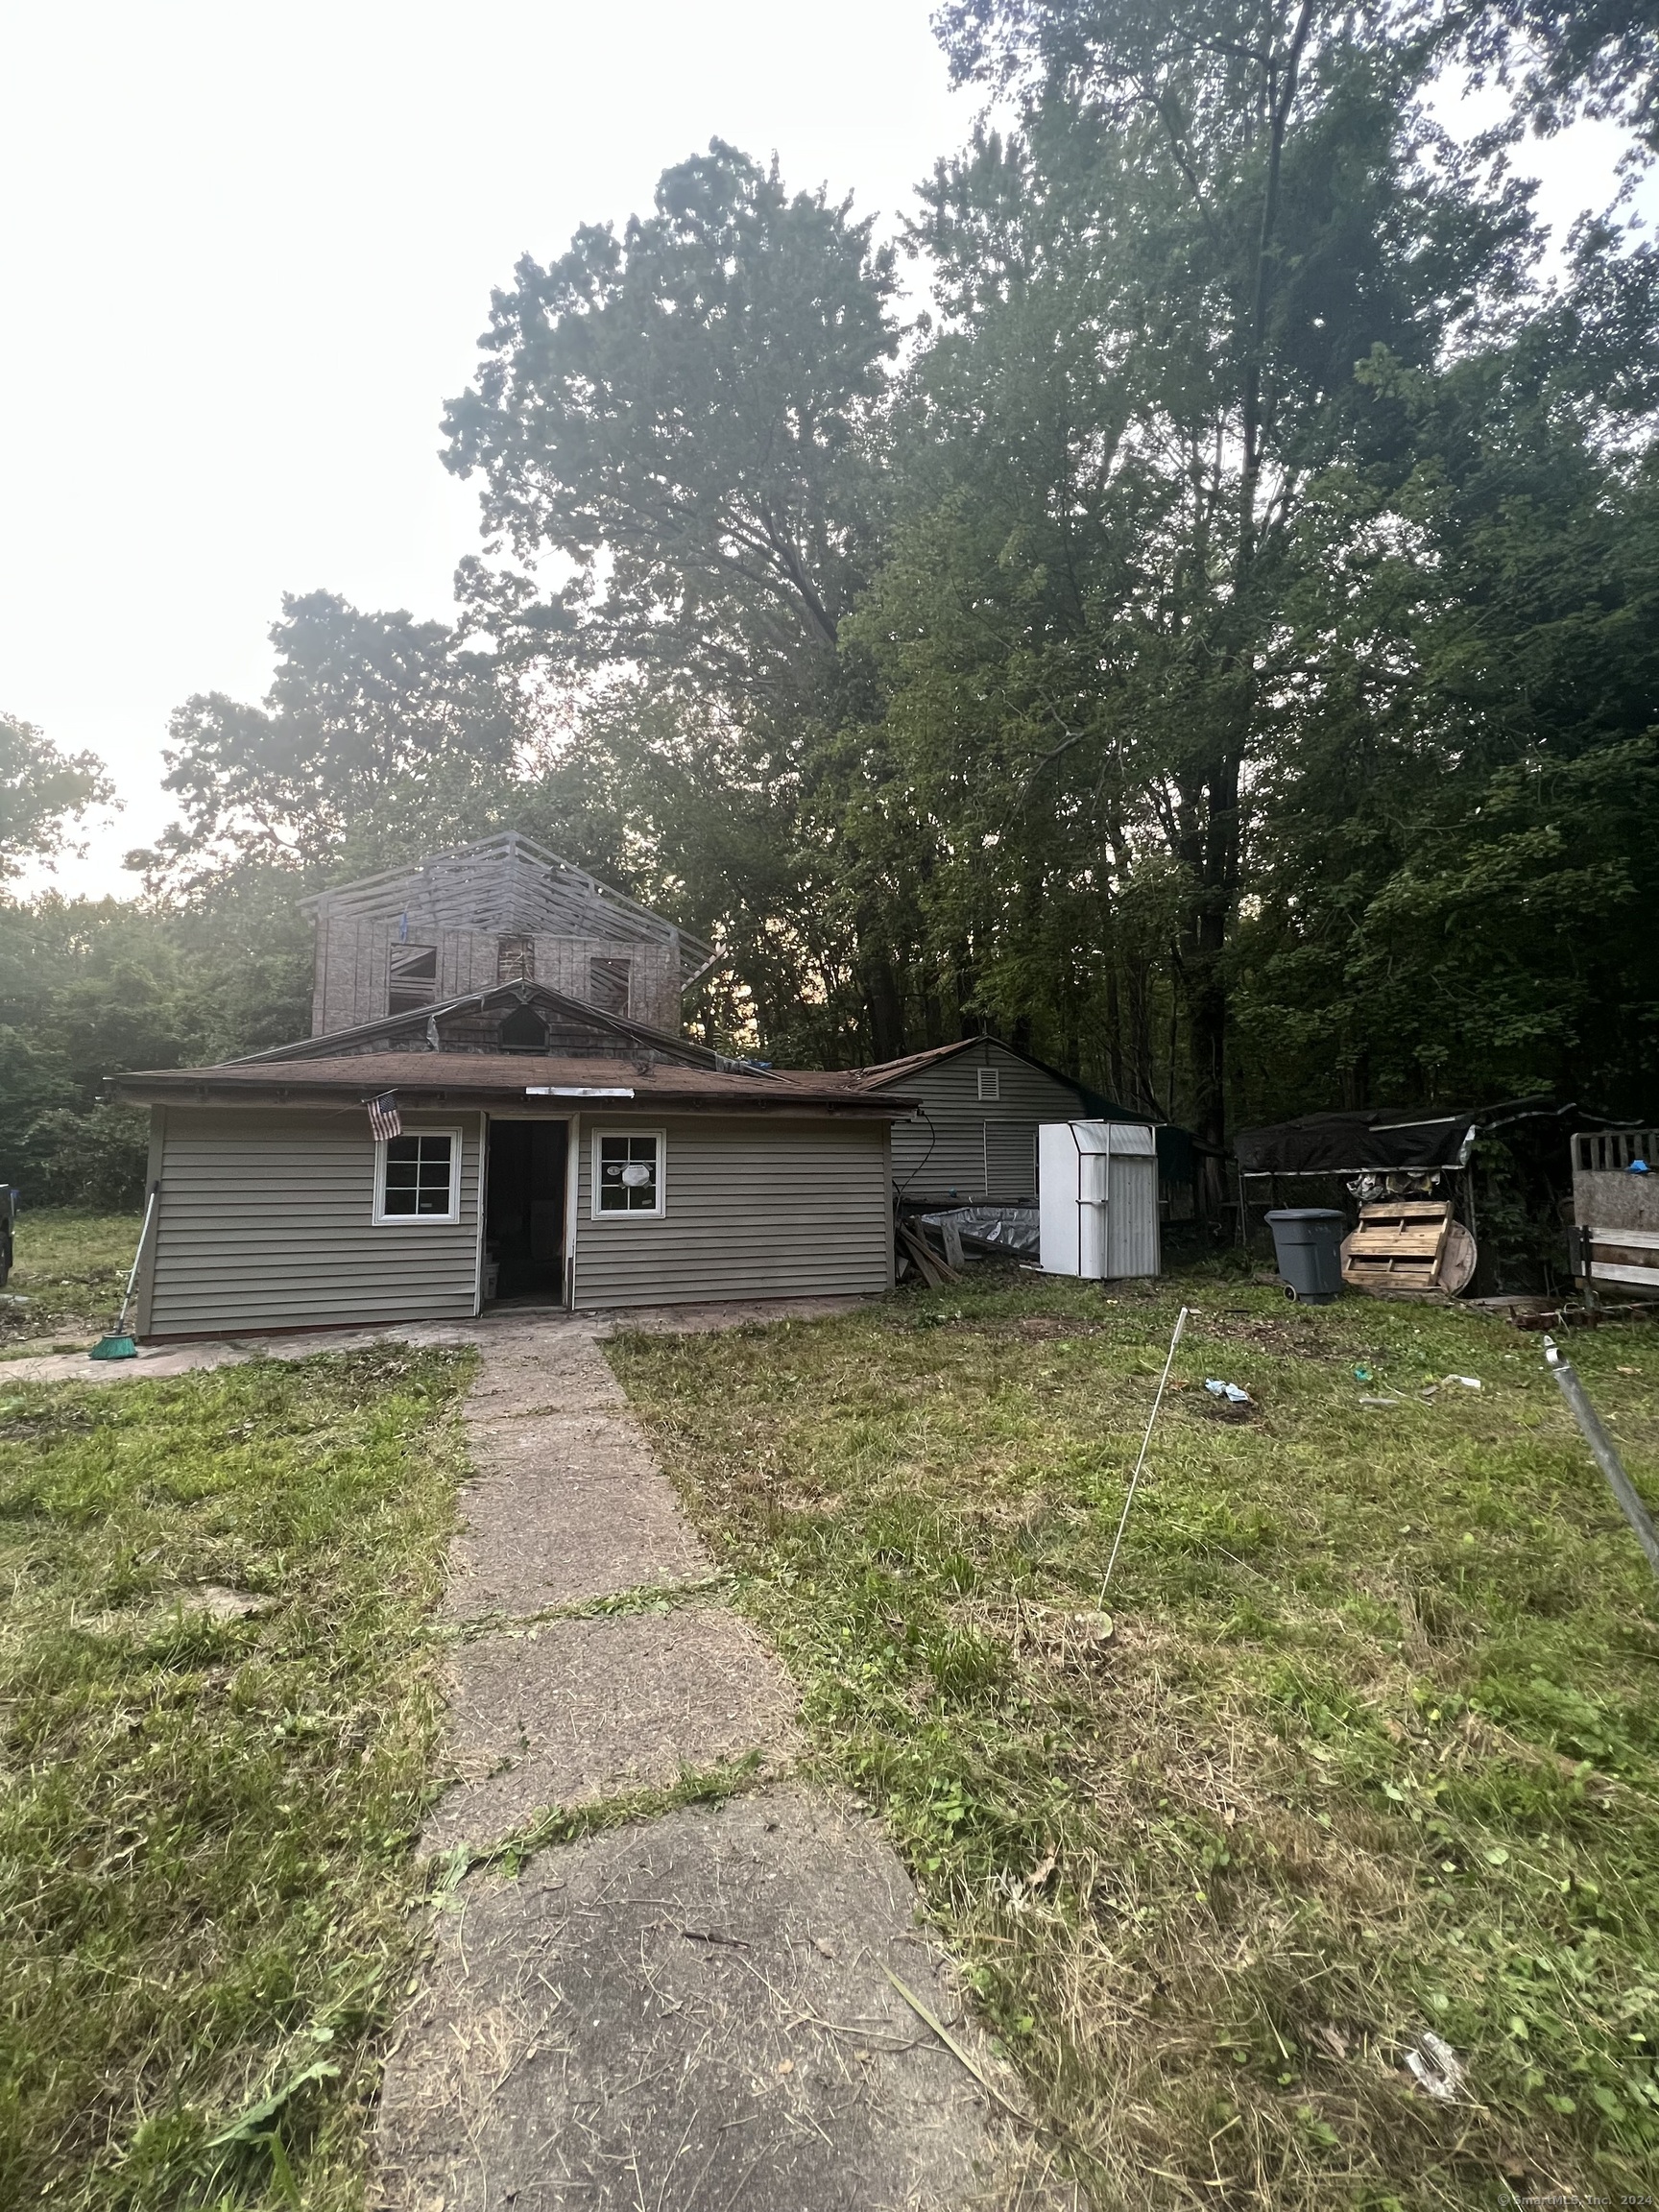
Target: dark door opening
(525, 1211)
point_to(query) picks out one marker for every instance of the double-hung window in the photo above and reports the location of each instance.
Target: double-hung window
(627, 1174)
(417, 1177)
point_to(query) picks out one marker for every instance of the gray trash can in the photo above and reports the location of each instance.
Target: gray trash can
(1308, 1245)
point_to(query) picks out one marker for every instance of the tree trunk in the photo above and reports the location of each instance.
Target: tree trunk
(884, 1001)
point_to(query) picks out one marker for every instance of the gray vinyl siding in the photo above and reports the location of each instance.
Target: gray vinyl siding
(754, 1207)
(944, 1154)
(266, 1221)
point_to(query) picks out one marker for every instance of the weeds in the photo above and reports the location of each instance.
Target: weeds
(218, 1711)
(1366, 1764)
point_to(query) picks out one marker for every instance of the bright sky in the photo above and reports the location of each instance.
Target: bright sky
(246, 253)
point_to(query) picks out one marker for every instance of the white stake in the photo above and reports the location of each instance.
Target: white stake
(1180, 1324)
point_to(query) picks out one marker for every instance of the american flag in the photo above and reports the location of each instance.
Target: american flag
(384, 1118)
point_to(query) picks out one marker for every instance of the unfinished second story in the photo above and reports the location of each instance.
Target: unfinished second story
(501, 911)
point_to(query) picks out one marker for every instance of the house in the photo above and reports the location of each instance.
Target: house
(499, 1118)
(972, 1136)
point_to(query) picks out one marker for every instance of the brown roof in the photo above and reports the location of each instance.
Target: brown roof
(420, 1077)
(886, 1071)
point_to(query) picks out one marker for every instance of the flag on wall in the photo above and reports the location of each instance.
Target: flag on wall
(384, 1118)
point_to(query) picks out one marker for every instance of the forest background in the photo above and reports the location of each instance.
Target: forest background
(1214, 646)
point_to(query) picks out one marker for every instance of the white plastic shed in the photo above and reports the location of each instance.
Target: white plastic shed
(1098, 1191)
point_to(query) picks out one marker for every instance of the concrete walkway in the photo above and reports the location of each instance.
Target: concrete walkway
(690, 2013)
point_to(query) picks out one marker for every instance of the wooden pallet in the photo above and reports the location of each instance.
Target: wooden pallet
(1398, 1247)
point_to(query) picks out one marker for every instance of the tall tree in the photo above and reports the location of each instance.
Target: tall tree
(379, 734)
(1157, 298)
(41, 792)
(683, 425)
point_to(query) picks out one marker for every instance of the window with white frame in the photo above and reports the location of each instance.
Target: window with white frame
(417, 1177)
(990, 1086)
(627, 1174)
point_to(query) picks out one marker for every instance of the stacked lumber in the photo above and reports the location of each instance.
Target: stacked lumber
(935, 1272)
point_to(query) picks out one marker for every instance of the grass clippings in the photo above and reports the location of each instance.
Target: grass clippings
(219, 1712)
(69, 1272)
(1356, 1791)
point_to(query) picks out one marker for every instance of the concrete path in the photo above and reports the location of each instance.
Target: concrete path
(691, 2013)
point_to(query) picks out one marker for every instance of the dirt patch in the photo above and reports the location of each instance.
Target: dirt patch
(1292, 1333)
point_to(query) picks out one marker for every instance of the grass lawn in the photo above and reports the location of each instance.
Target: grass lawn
(217, 1721)
(1371, 1749)
(67, 1277)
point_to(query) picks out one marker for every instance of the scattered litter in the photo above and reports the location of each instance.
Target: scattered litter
(1334, 2039)
(1638, 1167)
(1381, 1401)
(1091, 1627)
(1429, 1390)
(221, 1605)
(823, 1945)
(1629, 1370)
(1041, 1872)
(1468, 1381)
(1228, 1390)
(1364, 1375)
(1435, 2068)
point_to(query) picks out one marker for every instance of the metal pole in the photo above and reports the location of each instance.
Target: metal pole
(1180, 1324)
(1601, 1446)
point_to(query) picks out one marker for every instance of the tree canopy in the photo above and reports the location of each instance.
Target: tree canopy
(43, 791)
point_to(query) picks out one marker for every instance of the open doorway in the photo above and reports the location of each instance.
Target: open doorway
(524, 1211)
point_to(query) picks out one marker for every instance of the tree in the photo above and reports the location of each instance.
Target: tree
(686, 424)
(685, 418)
(41, 790)
(1157, 296)
(379, 735)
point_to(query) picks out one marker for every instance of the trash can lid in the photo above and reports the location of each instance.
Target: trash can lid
(1307, 1214)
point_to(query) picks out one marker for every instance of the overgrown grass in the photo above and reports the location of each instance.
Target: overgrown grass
(217, 1719)
(1372, 1747)
(69, 1271)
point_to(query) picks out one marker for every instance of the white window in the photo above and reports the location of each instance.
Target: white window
(417, 1177)
(990, 1086)
(627, 1174)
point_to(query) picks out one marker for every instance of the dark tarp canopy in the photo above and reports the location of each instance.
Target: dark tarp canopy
(1376, 1141)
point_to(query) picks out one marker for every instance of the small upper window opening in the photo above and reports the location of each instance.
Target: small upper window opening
(411, 978)
(523, 1031)
(608, 983)
(515, 959)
